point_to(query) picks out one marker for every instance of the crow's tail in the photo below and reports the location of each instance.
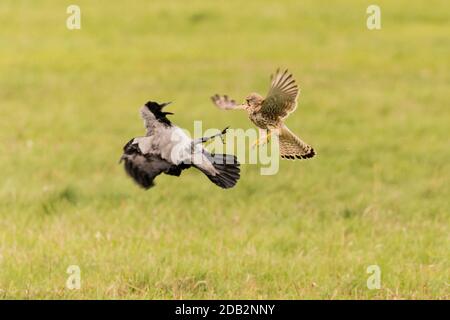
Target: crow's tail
(227, 170)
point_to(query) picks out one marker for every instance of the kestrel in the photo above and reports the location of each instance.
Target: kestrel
(167, 149)
(269, 113)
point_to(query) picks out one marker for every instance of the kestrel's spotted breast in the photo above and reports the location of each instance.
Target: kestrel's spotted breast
(262, 121)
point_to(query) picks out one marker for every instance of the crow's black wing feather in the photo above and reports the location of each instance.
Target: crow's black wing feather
(144, 169)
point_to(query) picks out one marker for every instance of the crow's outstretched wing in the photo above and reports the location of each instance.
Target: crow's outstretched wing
(144, 168)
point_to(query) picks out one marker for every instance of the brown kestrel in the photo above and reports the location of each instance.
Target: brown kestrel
(269, 113)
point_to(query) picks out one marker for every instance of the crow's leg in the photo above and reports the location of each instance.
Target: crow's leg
(205, 139)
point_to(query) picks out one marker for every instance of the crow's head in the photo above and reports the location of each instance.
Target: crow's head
(153, 111)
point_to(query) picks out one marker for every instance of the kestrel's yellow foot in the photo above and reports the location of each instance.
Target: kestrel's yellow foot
(265, 138)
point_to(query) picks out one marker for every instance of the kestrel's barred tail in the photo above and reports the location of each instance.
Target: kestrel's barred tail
(292, 147)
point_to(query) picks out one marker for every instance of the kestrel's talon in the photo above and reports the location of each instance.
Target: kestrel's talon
(261, 142)
(258, 143)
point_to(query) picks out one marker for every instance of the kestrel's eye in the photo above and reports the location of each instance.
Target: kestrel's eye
(248, 101)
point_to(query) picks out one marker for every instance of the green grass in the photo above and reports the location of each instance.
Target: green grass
(374, 104)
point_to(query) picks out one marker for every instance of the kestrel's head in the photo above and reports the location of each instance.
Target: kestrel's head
(253, 101)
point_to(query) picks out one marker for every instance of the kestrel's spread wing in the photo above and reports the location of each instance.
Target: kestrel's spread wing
(282, 97)
(223, 102)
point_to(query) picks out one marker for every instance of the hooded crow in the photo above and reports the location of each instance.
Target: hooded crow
(167, 149)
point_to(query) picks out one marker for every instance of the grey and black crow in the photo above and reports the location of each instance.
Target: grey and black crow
(167, 149)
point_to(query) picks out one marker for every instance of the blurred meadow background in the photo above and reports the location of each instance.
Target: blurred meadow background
(374, 104)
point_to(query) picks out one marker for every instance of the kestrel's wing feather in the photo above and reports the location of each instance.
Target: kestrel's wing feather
(223, 102)
(282, 97)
